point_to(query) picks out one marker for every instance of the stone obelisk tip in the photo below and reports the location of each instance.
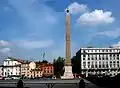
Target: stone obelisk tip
(67, 10)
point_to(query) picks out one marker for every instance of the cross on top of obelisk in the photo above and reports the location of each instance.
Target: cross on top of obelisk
(67, 10)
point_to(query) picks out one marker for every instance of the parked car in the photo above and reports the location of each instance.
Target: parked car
(8, 78)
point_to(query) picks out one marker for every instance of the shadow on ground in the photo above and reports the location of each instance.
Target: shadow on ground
(106, 81)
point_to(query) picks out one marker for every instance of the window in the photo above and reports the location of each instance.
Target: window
(103, 58)
(107, 65)
(95, 65)
(45, 71)
(8, 74)
(8, 62)
(106, 58)
(84, 63)
(83, 55)
(83, 58)
(99, 66)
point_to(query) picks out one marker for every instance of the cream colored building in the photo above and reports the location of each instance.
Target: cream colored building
(25, 69)
(12, 67)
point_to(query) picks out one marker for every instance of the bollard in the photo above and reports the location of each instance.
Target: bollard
(20, 84)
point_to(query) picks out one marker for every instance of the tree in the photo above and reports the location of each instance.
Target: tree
(58, 66)
(44, 61)
(76, 63)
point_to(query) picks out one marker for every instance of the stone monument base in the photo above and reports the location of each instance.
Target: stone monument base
(68, 73)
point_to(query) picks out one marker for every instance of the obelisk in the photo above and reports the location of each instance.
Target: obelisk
(68, 67)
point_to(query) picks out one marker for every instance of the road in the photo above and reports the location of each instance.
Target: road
(42, 83)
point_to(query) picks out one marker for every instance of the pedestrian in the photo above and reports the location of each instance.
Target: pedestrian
(81, 84)
(20, 84)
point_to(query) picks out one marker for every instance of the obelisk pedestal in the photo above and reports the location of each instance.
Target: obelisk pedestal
(68, 67)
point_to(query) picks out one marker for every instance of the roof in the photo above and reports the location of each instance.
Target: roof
(14, 59)
(37, 69)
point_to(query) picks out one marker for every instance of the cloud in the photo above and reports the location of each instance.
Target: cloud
(111, 33)
(35, 44)
(116, 45)
(77, 8)
(4, 43)
(5, 47)
(5, 50)
(96, 17)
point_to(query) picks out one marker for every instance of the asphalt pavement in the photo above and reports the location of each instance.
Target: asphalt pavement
(42, 83)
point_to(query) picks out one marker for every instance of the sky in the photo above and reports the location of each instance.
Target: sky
(30, 27)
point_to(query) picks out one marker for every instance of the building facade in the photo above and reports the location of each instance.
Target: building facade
(25, 69)
(1, 71)
(41, 69)
(37, 72)
(48, 69)
(100, 61)
(12, 67)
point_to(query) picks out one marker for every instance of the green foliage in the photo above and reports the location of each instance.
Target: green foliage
(76, 64)
(58, 66)
(44, 61)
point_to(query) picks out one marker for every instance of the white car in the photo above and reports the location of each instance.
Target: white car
(8, 78)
